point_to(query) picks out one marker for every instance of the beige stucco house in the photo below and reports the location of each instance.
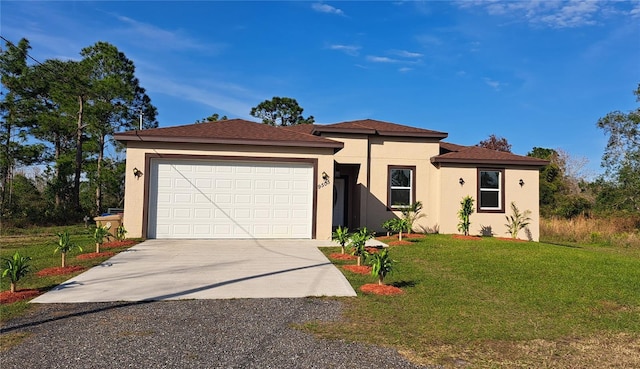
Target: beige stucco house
(241, 179)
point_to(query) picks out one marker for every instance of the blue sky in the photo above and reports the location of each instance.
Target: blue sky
(539, 73)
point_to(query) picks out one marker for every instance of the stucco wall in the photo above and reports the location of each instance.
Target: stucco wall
(136, 153)
(525, 197)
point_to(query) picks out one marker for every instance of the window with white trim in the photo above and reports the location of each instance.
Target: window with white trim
(490, 190)
(401, 191)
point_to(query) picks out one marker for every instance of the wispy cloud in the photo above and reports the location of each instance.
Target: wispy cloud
(496, 85)
(405, 54)
(381, 59)
(324, 8)
(549, 13)
(347, 49)
(405, 69)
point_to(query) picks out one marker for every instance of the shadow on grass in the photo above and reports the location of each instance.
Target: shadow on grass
(402, 284)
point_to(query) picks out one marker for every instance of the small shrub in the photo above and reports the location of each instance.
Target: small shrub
(64, 246)
(517, 220)
(381, 265)
(464, 214)
(15, 268)
(357, 241)
(121, 233)
(341, 235)
(99, 234)
(388, 226)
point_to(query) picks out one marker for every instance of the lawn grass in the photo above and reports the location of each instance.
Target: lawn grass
(39, 244)
(497, 303)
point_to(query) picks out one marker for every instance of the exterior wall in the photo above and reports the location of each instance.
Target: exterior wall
(526, 197)
(134, 202)
(378, 153)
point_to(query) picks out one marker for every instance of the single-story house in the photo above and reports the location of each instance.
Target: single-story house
(241, 179)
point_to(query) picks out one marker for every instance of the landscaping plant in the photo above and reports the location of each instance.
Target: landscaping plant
(101, 232)
(64, 246)
(400, 225)
(411, 213)
(341, 235)
(517, 220)
(15, 268)
(381, 265)
(358, 240)
(388, 226)
(121, 233)
(464, 215)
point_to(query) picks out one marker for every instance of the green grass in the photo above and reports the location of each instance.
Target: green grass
(467, 293)
(39, 244)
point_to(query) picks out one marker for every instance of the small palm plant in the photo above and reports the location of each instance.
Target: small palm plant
(121, 233)
(358, 240)
(400, 225)
(381, 265)
(388, 226)
(64, 246)
(517, 221)
(341, 235)
(15, 268)
(411, 213)
(101, 232)
(464, 214)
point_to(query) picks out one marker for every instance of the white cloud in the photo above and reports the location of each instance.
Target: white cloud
(496, 85)
(550, 13)
(381, 59)
(405, 69)
(406, 54)
(347, 49)
(324, 8)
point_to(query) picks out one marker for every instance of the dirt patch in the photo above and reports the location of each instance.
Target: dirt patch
(381, 289)
(94, 255)
(463, 237)
(510, 239)
(60, 271)
(400, 243)
(7, 297)
(116, 244)
(362, 269)
(338, 256)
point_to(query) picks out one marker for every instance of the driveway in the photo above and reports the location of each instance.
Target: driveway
(207, 269)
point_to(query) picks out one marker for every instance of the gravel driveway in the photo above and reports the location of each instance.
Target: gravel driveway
(241, 333)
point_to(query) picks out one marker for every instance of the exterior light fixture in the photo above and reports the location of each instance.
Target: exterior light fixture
(461, 181)
(137, 173)
(521, 182)
(325, 176)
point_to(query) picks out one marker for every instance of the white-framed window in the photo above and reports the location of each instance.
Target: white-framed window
(402, 186)
(490, 190)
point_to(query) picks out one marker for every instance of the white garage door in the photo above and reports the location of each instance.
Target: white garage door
(230, 199)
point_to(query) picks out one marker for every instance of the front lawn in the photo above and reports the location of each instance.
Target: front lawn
(497, 303)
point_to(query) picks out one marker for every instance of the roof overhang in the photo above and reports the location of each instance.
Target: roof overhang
(536, 163)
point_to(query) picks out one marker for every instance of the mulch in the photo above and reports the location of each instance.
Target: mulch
(381, 289)
(93, 255)
(338, 256)
(362, 269)
(463, 237)
(116, 244)
(510, 239)
(400, 243)
(7, 297)
(60, 271)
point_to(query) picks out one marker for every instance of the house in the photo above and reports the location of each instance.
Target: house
(241, 179)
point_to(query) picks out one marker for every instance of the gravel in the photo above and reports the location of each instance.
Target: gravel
(243, 333)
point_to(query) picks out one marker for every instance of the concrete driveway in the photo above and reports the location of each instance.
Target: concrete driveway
(207, 269)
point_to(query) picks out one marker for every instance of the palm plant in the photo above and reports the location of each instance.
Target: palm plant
(101, 232)
(64, 246)
(341, 235)
(381, 265)
(517, 221)
(388, 226)
(464, 214)
(15, 268)
(400, 225)
(121, 233)
(357, 241)
(411, 213)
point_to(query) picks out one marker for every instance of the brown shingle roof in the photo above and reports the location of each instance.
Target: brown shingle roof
(452, 153)
(232, 131)
(370, 126)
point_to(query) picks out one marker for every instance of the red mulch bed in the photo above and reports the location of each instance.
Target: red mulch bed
(386, 238)
(463, 237)
(60, 270)
(362, 269)
(94, 255)
(414, 235)
(511, 239)
(372, 250)
(400, 243)
(381, 289)
(338, 256)
(115, 244)
(7, 297)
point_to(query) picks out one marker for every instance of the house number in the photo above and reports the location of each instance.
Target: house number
(324, 184)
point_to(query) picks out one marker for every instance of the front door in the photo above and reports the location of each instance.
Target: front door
(339, 208)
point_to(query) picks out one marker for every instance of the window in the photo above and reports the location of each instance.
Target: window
(401, 187)
(490, 190)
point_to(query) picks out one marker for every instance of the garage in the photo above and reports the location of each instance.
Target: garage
(230, 199)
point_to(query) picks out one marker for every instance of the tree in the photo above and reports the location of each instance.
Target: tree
(99, 234)
(64, 246)
(495, 143)
(621, 157)
(212, 118)
(281, 111)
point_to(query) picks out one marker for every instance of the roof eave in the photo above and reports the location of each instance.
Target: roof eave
(438, 135)
(536, 163)
(287, 143)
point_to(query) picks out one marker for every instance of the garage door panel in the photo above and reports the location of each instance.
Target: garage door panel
(226, 199)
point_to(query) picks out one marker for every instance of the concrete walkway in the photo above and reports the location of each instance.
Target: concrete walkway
(207, 269)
